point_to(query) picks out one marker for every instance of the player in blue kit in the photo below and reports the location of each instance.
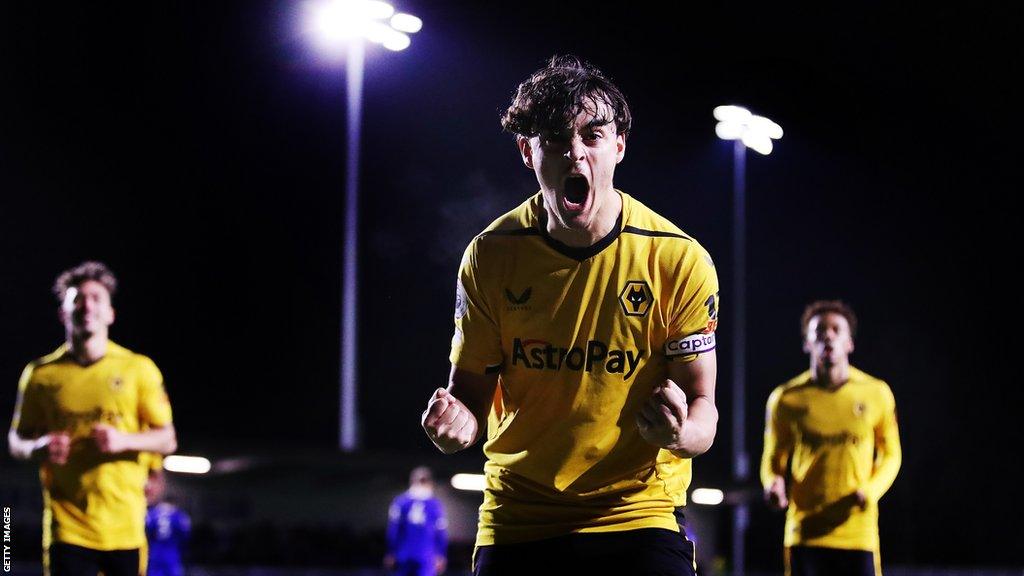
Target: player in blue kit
(167, 530)
(417, 529)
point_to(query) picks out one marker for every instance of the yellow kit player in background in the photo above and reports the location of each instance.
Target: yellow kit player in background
(585, 340)
(831, 450)
(86, 412)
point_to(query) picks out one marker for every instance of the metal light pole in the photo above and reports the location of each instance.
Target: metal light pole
(746, 130)
(348, 417)
(345, 25)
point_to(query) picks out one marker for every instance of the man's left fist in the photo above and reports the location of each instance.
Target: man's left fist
(109, 440)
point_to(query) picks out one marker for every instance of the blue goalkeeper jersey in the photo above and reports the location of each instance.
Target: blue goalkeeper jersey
(167, 530)
(417, 528)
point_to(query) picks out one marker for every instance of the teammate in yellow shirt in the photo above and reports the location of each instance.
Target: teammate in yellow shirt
(831, 450)
(584, 338)
(87, 412)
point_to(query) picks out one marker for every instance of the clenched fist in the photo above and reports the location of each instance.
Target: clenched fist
(448, 423)
(775, 494)
(58, 446)
(662, 418)
(109, 440)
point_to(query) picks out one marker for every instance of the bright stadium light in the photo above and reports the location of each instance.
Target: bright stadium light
(762, 125)
(396, 42)
(387, 37)
(474, 482)
(757, 142)
(707, 496)
(736, 114)
(335, 23)
(187, 464)
(737, 123)
(406, 23)
(729, 130)
(342, 28)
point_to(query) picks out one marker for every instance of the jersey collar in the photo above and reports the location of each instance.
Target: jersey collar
(579, 253)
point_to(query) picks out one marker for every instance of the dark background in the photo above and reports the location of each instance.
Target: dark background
(198, 149)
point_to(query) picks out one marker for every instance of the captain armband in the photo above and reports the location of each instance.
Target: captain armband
(693, 344)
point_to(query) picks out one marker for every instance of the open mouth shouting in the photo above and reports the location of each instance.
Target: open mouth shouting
(828, 354)
(575, 193)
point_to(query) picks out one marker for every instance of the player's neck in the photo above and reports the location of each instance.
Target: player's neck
(602, 224)
(87, 349)
(831, 377)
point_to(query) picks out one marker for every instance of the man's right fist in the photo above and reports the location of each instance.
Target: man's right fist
(57, 448)
(448, 423)
(776, 494)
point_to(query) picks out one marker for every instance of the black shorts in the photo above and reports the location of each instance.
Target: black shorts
(644, 552)
(815, 561)
(71, 560)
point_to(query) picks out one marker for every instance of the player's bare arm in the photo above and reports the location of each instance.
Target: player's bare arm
(680, 414)
(455, 416)
(53, 447)
(110, 440)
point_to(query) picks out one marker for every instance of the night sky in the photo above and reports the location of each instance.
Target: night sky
(198, 148)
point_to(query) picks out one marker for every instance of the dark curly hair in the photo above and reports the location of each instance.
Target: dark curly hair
(90, 270)
(550, 99)
(824, 307)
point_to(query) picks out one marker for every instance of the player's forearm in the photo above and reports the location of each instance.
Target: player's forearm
(699, 432)
(476, 392)
(161, 440)
(770, 469)
(25, 448)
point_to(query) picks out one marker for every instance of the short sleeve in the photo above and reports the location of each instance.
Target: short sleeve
(694, 307)
(154, 406)
(28, 420)
(476, 345)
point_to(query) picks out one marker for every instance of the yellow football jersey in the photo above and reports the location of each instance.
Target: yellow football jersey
(152, 461)
(579, 338)
(829, 444)
(95, 500)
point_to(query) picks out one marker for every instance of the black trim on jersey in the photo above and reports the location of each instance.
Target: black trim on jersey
(583, 252)
(492, 369)
(653, 233)
(515, 232)
(574, 252)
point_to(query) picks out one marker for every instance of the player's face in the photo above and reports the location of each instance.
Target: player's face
(575, 166)
(829, 341)
(87, 309)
